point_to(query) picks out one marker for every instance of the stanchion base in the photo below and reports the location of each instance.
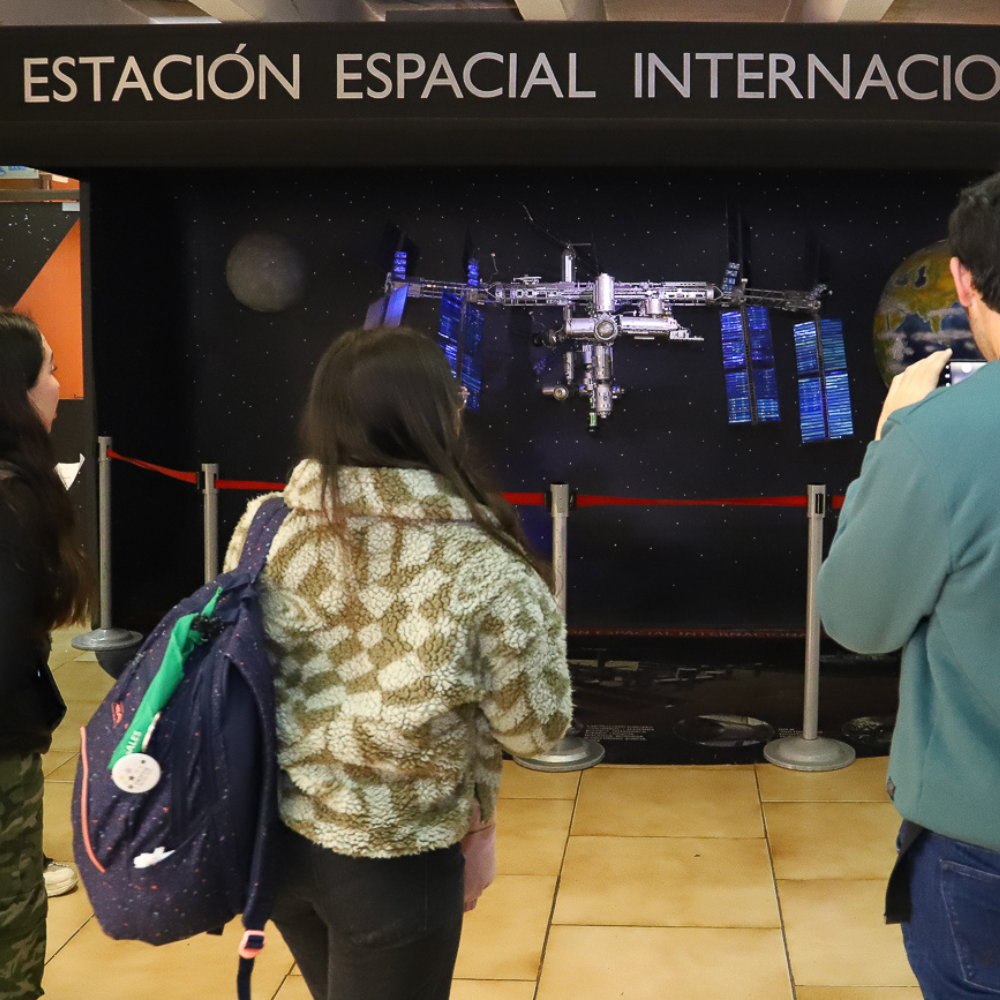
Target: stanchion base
(571, 753)
(106, 638)
(799, 754)
(113, 647)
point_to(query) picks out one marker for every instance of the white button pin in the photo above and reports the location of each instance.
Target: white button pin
(136, 772)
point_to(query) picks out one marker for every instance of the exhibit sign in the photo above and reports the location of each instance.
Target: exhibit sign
(432, 76)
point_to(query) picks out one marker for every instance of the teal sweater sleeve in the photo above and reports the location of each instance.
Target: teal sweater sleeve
(891, 553)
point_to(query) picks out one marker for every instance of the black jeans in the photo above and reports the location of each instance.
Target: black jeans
(370, 928)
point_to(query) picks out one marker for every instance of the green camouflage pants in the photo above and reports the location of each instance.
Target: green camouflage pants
(23, 903)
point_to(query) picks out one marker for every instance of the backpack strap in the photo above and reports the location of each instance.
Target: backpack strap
(269, 517)
(266, 522)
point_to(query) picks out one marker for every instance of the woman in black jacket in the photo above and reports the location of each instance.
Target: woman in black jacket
(44, 583)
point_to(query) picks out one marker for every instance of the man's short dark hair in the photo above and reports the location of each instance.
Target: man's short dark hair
(974, 235)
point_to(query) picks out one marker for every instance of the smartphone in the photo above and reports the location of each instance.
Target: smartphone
(957, 371)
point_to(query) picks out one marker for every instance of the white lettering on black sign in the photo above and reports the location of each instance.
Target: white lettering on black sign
(231, 76)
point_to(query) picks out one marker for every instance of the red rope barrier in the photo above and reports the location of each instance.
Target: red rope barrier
(525, 499)
(519, 499)
(187, 477)
(247, 484)
(596, 501)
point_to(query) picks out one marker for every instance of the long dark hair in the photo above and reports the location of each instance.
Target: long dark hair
(26, 453)
(385, 397)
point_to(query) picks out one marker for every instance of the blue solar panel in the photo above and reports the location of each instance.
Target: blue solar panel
(761, 348)
(399, 265)
(450, 330)
(473, 329)
(838, 405)
(824, 398)
(811, 414)
(472, 379)
(832, 336)
(472, 270)
(765, 387)
(451, 318)
(806, 352)
(738, 394)
(743, 331)
(376, 313)
(450, 326)
(397, 303)
(733, 348)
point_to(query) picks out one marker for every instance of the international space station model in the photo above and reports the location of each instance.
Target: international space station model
(598, 314)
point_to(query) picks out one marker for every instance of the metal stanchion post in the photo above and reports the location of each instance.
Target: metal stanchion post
(112, 646)
(571, 753)
(209, 474)
(810, 751)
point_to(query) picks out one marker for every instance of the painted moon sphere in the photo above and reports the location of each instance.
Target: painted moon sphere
(919, 313)
(266, 272)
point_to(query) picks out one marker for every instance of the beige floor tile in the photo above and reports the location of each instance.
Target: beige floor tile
(55, 759)
(837, 935)
(668, 802)
(863, 781)
(85, 657)
(62, 639)
(657, 963)
(841, 840)
(293, 988)
(521, 783)
(858, 993)
(57, 830)
(60, 659)
(667, 882)
(495, 989)
(531, 835)
(67, 914)
(203, 967)
(83, 681)
(66, 772)
(67, 736)
(503, 936)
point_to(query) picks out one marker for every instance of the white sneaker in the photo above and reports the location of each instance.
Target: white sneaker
(59, 879)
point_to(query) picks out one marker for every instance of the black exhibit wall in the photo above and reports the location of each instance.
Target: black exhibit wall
(186, 374)
(31, 232)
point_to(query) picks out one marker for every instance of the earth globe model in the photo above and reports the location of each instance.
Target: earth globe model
(919, 313)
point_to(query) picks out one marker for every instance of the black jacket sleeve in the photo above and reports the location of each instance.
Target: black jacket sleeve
(30, 705)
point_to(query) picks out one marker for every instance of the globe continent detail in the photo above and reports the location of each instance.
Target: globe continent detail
(919, 313)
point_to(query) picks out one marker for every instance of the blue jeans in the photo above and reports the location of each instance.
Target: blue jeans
(370, 928)
(953, 935)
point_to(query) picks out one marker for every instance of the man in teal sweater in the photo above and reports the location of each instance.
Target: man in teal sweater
(916, 563)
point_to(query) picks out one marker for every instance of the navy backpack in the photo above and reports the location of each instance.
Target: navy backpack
(176, 796)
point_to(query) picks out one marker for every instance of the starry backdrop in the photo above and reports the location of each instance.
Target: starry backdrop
(186, 374)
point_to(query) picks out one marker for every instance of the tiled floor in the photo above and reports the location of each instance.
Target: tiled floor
(644, 883)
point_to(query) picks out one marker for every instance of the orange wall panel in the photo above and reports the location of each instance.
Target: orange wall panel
(54, 301)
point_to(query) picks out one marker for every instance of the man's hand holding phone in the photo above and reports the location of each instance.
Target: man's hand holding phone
(912, 384)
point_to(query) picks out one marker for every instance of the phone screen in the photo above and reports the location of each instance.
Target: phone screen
(957, 371)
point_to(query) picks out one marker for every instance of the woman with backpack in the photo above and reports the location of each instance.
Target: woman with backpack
(44, 583)
(415, 638)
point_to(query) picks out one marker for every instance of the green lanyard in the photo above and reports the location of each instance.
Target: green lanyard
(183, 639)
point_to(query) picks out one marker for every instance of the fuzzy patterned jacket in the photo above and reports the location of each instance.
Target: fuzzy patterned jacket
(406, 660)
